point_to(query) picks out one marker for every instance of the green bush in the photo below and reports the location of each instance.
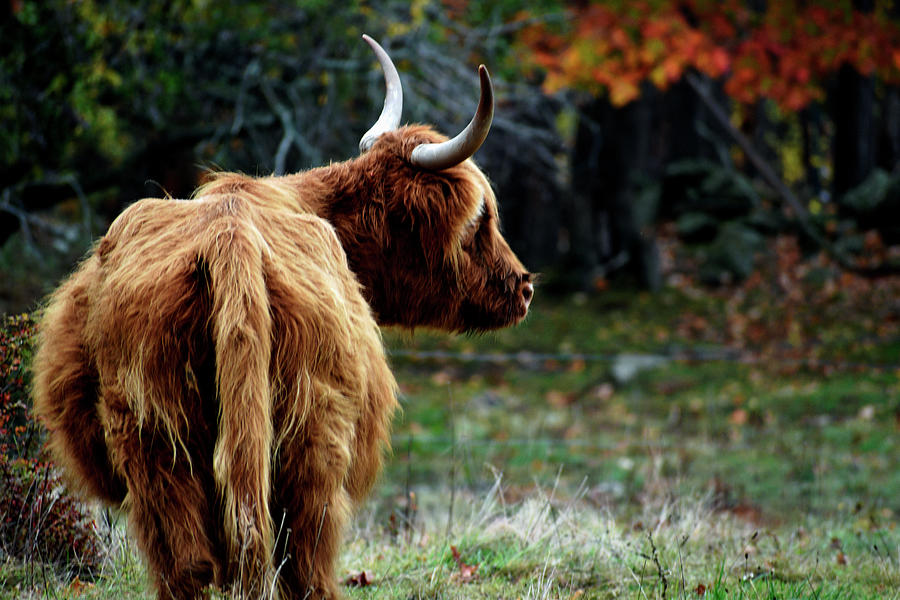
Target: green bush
(719, 216)
(39, 521)
(875, 204)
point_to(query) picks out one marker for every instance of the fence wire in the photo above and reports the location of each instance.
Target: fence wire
(530, 360)
(527, 359)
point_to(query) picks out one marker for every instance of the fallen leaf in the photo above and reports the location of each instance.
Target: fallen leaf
(78, 587)
(747, 512)
(361, 579)
(466, 572)
(603, 392)
(443, 377)
(576, 366)
(738, 417)
(558, 399)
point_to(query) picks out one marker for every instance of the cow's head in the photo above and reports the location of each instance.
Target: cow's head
(426, 244)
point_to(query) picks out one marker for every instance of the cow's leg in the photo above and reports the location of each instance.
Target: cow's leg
(65, 395)
(313, 542)
(311, 495)
(169, 504)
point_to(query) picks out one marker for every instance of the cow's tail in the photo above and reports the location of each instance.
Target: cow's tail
(241, 328)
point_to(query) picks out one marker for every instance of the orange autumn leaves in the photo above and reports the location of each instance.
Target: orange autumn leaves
(791, 52)
(784, 54)
(615, 49)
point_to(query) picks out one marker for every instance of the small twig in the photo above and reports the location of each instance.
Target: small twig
(640, 583)
(47, 585)
(681, 562)
(26, 505)
(643, 567)
(45, 513)
(764, 168)
(250, 72)
(83, 201)
(24, 218)
(292, 135)
(547, 505)
(407, 510)
(659, 568)
(498, 485)
(452, 462)
(495, 26)
(809, 582)
(309, 589)
(287, 533)
(287, 124)
(28, 221)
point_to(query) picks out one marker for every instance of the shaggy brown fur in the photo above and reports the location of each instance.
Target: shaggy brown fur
(215, 367)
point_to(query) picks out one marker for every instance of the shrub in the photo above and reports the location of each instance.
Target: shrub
(39, 521)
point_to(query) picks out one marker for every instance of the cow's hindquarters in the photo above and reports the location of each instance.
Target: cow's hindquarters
(65, 391)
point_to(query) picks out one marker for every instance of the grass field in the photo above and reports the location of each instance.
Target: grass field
(680, 445)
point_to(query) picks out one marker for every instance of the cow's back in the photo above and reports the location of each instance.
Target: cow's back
(131, 354)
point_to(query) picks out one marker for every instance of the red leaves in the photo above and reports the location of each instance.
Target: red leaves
(622, 91)
(36, 520)
(360, 580)
(616, 48)
(78, 587)
(466, 573)
(783, 54)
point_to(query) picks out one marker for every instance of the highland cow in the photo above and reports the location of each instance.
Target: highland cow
(215, 366)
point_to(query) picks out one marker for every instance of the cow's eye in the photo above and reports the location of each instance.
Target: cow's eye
(474, 223)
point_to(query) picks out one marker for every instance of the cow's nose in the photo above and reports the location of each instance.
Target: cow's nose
(527, 293)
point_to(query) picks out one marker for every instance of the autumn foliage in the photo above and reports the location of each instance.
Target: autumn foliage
(39, 522)
(785, 53)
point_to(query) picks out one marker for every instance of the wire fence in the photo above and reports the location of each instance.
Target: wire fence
(528, 359)
(403, 442)
(532, 360)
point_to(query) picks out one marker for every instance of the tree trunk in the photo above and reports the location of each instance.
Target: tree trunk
(854, 129)
(612, 151)
(854, 123)
(889, 138)
(522, 164)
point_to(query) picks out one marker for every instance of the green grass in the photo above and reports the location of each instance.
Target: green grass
(772, 474)
(553, 546)
(549, 546)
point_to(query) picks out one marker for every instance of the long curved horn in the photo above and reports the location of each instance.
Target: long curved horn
(393, 98)
(452, 152)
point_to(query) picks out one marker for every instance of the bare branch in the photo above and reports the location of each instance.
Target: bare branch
(804, 220)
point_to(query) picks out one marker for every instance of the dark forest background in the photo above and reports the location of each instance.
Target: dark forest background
(635, 144)
(710, 190)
